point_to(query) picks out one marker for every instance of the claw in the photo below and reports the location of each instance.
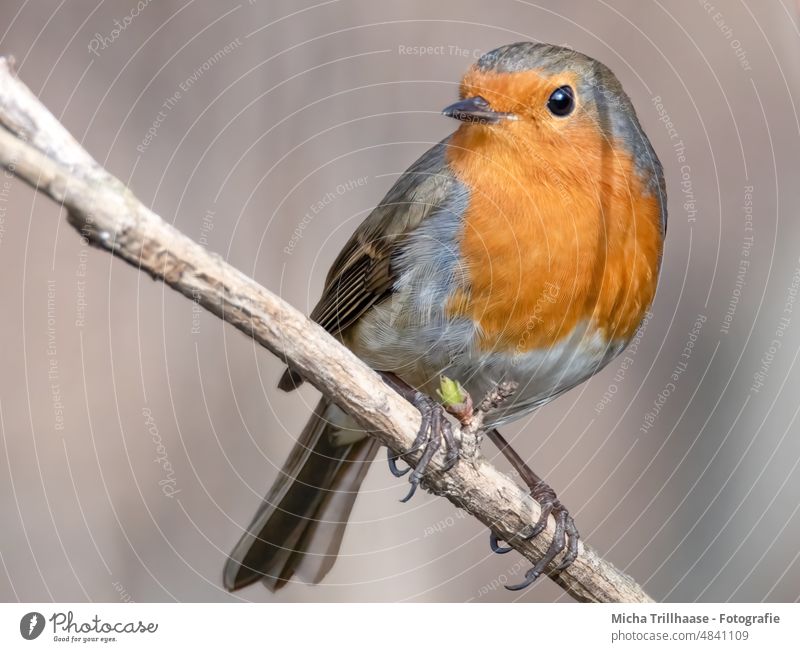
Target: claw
(565, 528)
(494, 544)
(392, 458)
(414, 484)
(434, 429)
(410, 494)
(530, 578)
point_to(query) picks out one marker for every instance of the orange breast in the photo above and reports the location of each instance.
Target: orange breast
(556, 234)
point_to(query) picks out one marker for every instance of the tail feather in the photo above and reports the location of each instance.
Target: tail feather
(290, 380)
(323, 537)
(299, 527)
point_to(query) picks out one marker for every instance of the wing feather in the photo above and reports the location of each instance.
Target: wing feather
(363, 274)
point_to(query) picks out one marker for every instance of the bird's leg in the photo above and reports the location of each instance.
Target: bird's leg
(566, 534)
(434, 429)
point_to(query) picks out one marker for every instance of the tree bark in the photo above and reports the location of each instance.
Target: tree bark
(39, 150)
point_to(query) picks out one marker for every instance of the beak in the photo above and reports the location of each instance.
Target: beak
(476, 109)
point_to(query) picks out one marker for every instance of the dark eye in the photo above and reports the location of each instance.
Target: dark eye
(562, 101)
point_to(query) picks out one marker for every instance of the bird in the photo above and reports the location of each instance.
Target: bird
(524, 247)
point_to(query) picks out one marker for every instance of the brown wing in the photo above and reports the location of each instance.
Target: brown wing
(362, 274)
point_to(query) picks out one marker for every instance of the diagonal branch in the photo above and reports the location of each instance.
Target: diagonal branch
(39, 150)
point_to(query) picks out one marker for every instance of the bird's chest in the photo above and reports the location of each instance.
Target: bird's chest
(548, 248)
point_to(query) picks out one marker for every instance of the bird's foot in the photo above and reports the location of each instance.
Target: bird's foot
(434, 429)
(566, 535)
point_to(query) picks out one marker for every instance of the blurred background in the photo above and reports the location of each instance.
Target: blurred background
(139, 435)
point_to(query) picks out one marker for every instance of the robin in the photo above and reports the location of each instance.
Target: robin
(524, 247)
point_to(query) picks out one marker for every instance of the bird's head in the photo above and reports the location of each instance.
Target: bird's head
(541, 91)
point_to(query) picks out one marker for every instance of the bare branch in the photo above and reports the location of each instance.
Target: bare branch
(39, 150)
